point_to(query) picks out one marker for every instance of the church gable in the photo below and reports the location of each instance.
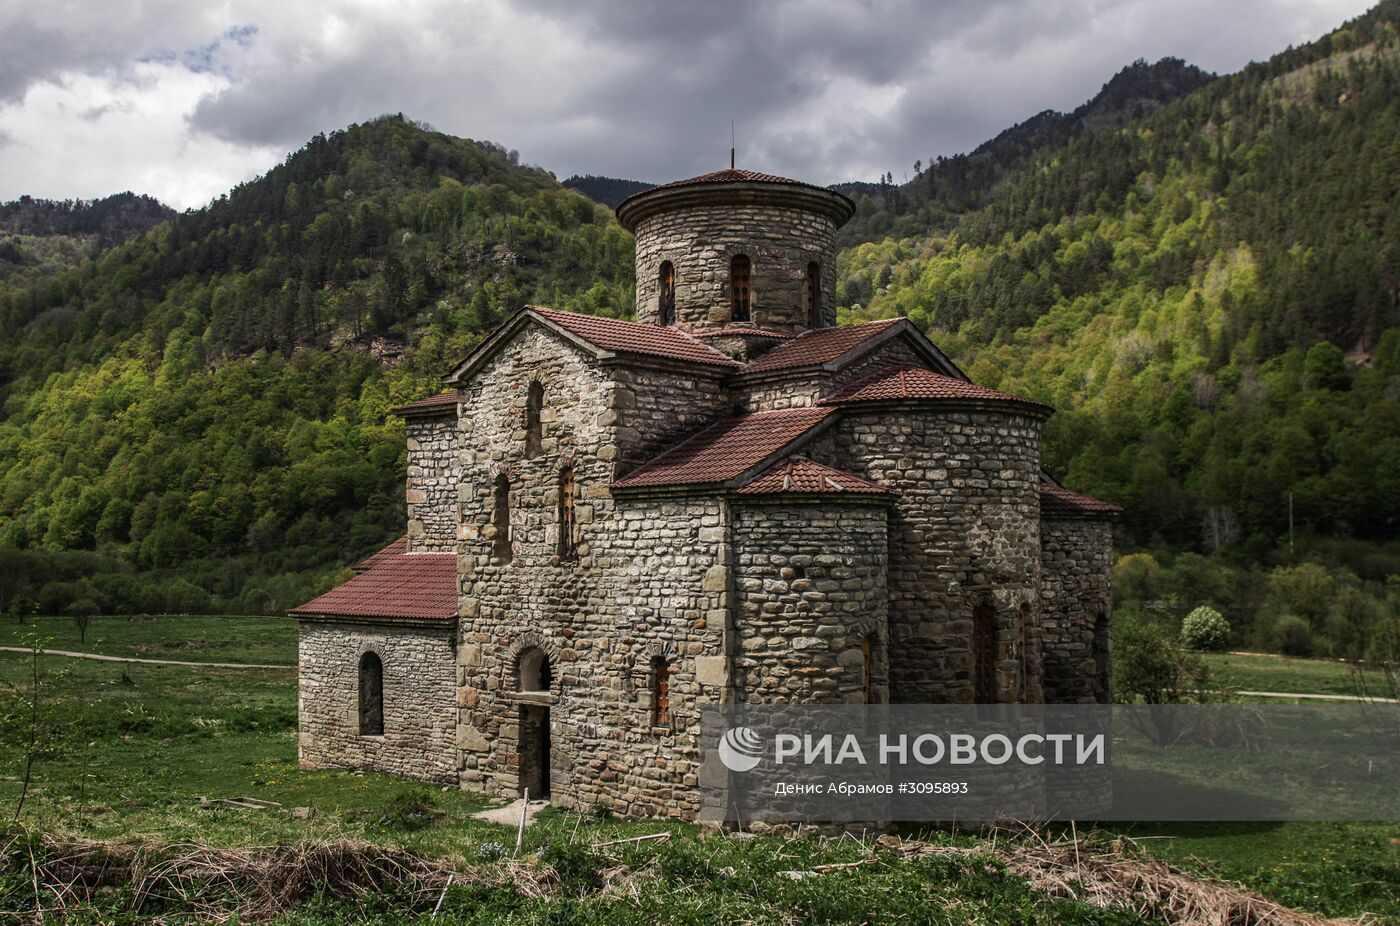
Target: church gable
(604, 339)
(815, 365)
(830, 350)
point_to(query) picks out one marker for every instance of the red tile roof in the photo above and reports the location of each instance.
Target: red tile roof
(395, 548)
(441, 403)
(726, 449)
(836, 205)
(623, 337)
(818, 346)
(403, 585)
(742, 332)
(805, 477)
(1057, 500)
(904, 381)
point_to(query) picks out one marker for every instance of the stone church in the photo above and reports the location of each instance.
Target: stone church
(611, 523)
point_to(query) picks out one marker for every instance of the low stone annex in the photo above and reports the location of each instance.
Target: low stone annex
(611, 523)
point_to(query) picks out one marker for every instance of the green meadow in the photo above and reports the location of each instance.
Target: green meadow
(145, 753)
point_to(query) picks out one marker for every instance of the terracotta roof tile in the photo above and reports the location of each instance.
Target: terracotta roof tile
(624, 337)
(805, 477)
(404, 585)
(726, 449)
(395, 548)
(730, 175)
(1057, 500)
(441, 403)
(903, 381)
(818, 346)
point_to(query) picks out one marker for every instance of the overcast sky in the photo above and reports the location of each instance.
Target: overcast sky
(182, 99)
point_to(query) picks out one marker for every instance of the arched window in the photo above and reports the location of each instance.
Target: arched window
(740, 272)
(568, 529)
(814, 295)
(371, 695)
(666, 293)
(660, 692)
(500, 517)
(534, 429)
(533, 671)
(984, 654)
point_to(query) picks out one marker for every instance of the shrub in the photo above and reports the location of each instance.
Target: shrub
(1293, 636)
(1150, 666)
(1205, 629)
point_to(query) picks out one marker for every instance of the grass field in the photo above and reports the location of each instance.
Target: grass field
(1304, 676)
(139, 755)
(265, 640)
(137, 747)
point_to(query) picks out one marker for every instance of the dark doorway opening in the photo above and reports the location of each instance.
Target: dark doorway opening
(534, 751)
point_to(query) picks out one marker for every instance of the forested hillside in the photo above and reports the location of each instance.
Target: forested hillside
(1211, 297)
(206, 404)
(606, 190)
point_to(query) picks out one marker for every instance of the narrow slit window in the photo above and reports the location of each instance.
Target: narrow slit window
(984, 654)
(568, 525)
(660, 692)
(534, 428)
(371, 695)
(1103, 664)
(500, 518)
(666, 293)
(740, 276)
(867, 652)
(814, 295)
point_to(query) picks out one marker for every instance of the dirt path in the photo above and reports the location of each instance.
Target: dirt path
(1314, 697)
(149, 662)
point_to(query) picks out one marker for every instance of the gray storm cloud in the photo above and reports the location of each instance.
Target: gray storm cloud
(819, 89)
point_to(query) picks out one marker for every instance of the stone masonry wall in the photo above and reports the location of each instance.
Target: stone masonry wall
(965, 531)
(419, 717)
(649, 581)
(700, 242)
(655, 409)
(1076, 569)
(431, 483)
(810, 586)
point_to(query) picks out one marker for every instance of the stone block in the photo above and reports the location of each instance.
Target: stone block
(710, 671)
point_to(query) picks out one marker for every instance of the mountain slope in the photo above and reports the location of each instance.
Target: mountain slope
(1185, 289)
(1207, 292)
(951, 186)
(44, 236)
(209, 400)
